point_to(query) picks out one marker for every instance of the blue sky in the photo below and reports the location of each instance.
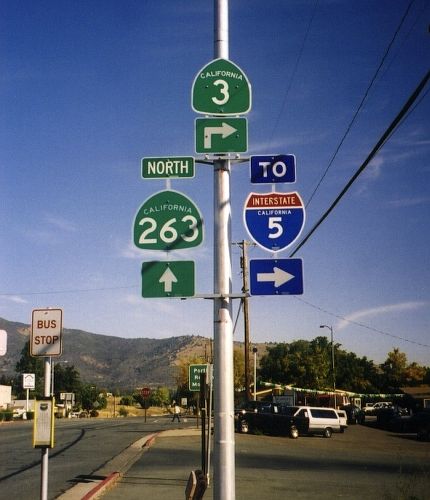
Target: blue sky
(89, 88)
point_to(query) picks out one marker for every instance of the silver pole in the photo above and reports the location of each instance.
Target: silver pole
(333, 366)
(45, 454)
(224, 464)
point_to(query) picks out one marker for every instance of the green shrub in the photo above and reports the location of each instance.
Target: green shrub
(6, 415)
(123, 412)
(94, 413)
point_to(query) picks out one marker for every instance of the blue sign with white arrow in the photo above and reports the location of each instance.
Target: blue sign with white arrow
(276, 276)
(270, 169)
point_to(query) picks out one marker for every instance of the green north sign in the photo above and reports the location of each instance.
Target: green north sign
(168, 279)
(194, 372)
(170, 167)
(168, 220)
(221, 135)
(221, 88)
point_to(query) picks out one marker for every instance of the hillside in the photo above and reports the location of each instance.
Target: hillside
(113, 361)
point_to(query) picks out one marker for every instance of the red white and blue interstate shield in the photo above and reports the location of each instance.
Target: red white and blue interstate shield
(274, 220)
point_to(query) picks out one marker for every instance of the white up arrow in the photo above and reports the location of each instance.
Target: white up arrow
(279, 276)
(168, 278)
(225, 130)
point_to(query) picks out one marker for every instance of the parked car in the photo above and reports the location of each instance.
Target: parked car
(269, 418)
(373, 408)
(354, 414)
(420, 423)
(290, 420)
(343, 419)
(368, 408)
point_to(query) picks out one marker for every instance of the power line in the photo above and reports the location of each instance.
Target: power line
(362, 325)
(293, 74)
(360, 106)
(72, 290)
(394, 124)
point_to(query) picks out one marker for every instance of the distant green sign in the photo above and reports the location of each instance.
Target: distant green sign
(168, 279)
(194, 372)
(221, 88)
(221, 135)
(168, 220)
(170, 167)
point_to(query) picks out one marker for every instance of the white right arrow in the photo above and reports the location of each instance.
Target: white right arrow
(279, 276)
(225, 130)
(168, 278)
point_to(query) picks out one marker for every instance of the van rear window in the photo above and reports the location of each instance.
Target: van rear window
(317, 413)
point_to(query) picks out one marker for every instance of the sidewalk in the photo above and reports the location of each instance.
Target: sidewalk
(158, 472)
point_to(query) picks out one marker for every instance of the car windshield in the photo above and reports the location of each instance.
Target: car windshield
(288, 410)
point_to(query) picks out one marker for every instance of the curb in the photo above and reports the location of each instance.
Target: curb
(101, 487)
(113, 470)
(118, 466)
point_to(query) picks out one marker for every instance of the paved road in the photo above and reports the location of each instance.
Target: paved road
(363, 463)
(81, 447)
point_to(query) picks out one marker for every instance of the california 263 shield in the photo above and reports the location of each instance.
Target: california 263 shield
(274, 220)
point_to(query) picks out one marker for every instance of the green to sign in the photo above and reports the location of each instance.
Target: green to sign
(168, 220)
(160, 168)
(221, 135)
(194, 372)
(221, 88)
(168, 279)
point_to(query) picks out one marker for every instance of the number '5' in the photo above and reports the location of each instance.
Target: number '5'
(275, 223)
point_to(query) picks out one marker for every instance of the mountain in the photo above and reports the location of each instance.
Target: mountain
(114, 362)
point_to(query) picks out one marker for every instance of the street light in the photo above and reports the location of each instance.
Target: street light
(332, 361)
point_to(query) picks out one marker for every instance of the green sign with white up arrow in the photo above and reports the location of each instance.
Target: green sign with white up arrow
(168, 279)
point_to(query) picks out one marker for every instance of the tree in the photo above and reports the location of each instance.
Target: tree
(394, 370)
(239, 369)
(160, 397)
(29, 364)
(66, 379)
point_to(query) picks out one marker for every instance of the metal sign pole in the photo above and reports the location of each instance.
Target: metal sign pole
(224, 461)
(45, 453)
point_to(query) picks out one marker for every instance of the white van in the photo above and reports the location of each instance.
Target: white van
(314, 420)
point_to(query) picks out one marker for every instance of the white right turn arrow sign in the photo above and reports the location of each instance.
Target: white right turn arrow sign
(278, 276)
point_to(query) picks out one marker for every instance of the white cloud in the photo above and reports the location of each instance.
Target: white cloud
(132, 252)
(409, 202)
(60, 223)
(379, 311)
(14, 298)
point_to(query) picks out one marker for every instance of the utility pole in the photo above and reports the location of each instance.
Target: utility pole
(245, 289)
(224, 446)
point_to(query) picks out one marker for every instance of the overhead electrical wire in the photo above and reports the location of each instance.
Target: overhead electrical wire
(386, 135)
(361, 105)
(362, 325)
(293, 73)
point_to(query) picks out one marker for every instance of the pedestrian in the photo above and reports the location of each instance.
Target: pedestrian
(176, 413)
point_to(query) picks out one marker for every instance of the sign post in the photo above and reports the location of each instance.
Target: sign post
(221, 88)
(46, 332)
(46, 342)
(276, 276)
(274, 220)
(28, 382)
(221, 135)
(3, 342)
(168, 279)
(162, 168)
(168, 220)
